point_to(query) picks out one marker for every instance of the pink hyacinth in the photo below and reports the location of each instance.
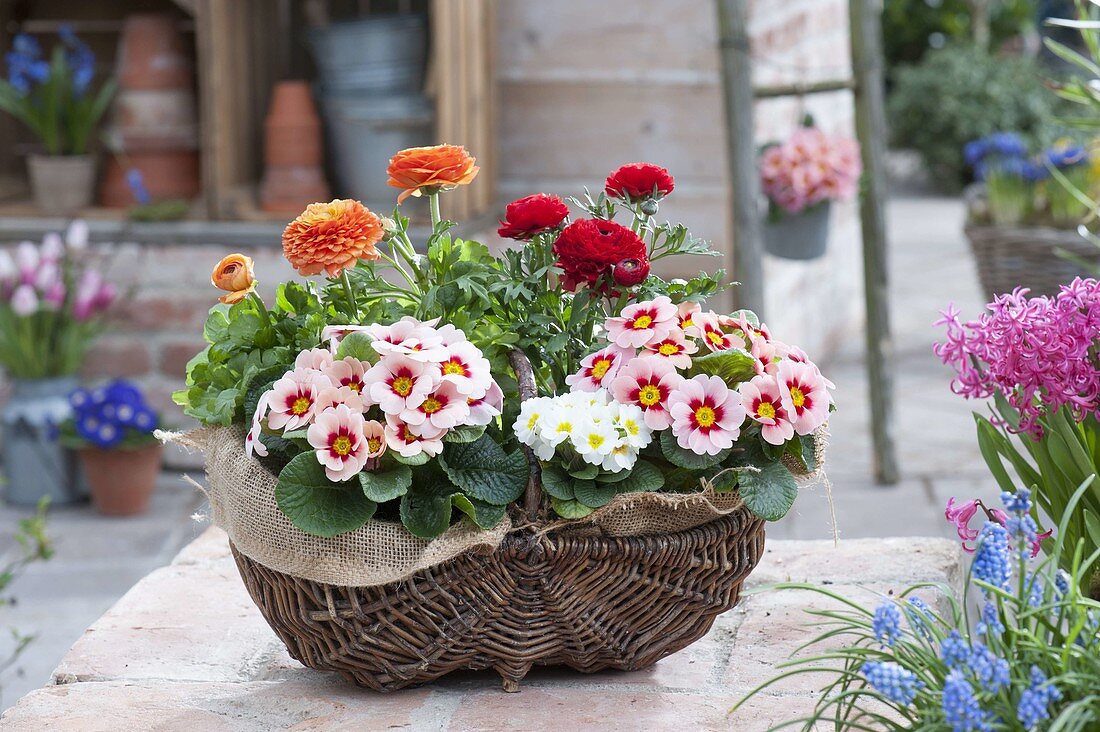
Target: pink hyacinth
(810, 167)
(1034, 351)
(960, 515)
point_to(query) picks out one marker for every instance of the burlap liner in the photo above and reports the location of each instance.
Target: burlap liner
(242, 502)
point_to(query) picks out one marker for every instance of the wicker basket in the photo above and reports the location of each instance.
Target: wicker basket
(546, 596)
(1009, 257)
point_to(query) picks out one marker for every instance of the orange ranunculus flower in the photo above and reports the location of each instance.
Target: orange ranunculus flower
(234, 275)
(438, 166)
(331, 237)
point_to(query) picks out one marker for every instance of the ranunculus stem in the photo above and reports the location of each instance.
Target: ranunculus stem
(261, 308)
(433, 201)
(353, 308)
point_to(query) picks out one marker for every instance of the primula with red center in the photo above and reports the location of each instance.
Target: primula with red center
(599, 369)
(686, 313)
(467, 369)
(588, 250)
(803, 391)
(712, 335)
(648, 383)
(532, 215)
(338, 439)
(676, 349)
(409, 337)
(330, 396)
(443, 409)
(706, 415)
(639, 181)
(397, 383)
(375, 435)
(412, 440)
(294, 398)
(642, 323)
(764, 405)
(485, 409)
(346, 372)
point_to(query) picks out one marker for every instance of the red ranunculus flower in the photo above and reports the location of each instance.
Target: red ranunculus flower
(637, 181)
(590, 248)
(630, 272)
(531, 215)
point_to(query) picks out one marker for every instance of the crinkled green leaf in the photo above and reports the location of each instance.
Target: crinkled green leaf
(570, 509)
(557, 483)
(644, 477)
(769, 493)
(484, 471)
(687, 459)
(386, 484)
(426, 509)
(465, 433)
(485, 515)
(734, 366)
(315, 504)
(357, 345)
(593, 494)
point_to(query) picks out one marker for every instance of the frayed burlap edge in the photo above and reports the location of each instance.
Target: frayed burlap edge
(640, 514)
(242, 502)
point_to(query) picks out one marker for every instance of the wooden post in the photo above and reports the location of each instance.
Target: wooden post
(733, 30)
(865, 17)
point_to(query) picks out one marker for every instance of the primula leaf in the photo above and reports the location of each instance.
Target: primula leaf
(315, 504)
(557, 484)
(465, 433)
(357, 345)
(803, 448)
(420, 458)
(385, 485)
(644, 477)
(587, 471)
(734, 366)
(593, 494)
(483, 470)
(769, 493)
(426, 509)
(749, 316)
(687, 459)
(570, 509)
(485, 515)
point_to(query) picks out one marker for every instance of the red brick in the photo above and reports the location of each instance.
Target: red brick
(156, 313)
(175, 355)
(116, 357)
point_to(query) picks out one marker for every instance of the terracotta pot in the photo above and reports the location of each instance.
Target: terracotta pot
(167, 174)
(62, 184)
(289, 188)
(292, 127)
(156, 119)
(153, 54)
(122, 480)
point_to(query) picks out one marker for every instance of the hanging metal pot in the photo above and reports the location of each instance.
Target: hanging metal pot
(802, 236)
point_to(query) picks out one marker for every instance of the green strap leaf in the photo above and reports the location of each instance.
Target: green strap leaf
(317, 505)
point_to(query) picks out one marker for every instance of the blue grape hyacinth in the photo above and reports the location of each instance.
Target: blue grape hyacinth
(887, 623)
(893, 681)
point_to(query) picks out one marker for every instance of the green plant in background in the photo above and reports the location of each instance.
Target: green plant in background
(32, 545)
(911, 28)
(959, 94)
(55, 98)
(1031, 663)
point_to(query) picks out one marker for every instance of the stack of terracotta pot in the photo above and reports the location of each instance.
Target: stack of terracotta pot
(155, 124)
(292, 151)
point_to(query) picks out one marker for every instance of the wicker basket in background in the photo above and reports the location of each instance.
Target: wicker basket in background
(1029, 256)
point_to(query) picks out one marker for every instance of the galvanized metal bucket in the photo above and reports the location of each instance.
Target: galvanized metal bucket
(379, 54)
(799, 236)
(35, 462)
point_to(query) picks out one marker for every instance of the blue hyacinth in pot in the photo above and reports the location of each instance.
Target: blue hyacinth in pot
(52, 305)
(111, 429)
(55, 98)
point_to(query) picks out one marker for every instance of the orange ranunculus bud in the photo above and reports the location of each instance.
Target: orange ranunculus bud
(331, 237)
(234, 275)
(440, 167)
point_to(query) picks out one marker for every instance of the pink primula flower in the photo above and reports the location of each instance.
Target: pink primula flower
(599, 369)
(804, 394)
(331, 396)
(337, 437)
(676, 349)
(375, 434)
(293, 400)
(488, 407)
(762, 402)
(443, 409)
(467, 369)
(642, 323)
(252, 442)
(397, 383)
(706, 415)
(714, 337)
(348, 372)
(685, 318)
(317, 359)
(411, 338)
(648, 383)
(411, 440)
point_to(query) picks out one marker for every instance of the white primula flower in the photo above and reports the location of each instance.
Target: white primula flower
(594, 441)
(622, 457)
(527, 427)
(558, 424)
(631, 420)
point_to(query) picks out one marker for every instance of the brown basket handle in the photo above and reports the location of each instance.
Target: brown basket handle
(525, 377)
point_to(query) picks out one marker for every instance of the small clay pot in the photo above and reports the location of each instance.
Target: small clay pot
(153, 54)
(290, 188)
(292, 128)
(122, 480)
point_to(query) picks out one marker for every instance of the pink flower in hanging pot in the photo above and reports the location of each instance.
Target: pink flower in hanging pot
(317, 359)
(294, 399)
(642, 323)
(337, 437)
(762, 401)
(706, 415)
(252, 442)
(375, 435)
(714, 336)
(648, 383)
(411, 338)
(332, 396)
(348, 372)
(686, 313)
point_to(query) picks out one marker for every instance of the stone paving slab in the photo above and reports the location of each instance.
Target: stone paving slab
(186, 650)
